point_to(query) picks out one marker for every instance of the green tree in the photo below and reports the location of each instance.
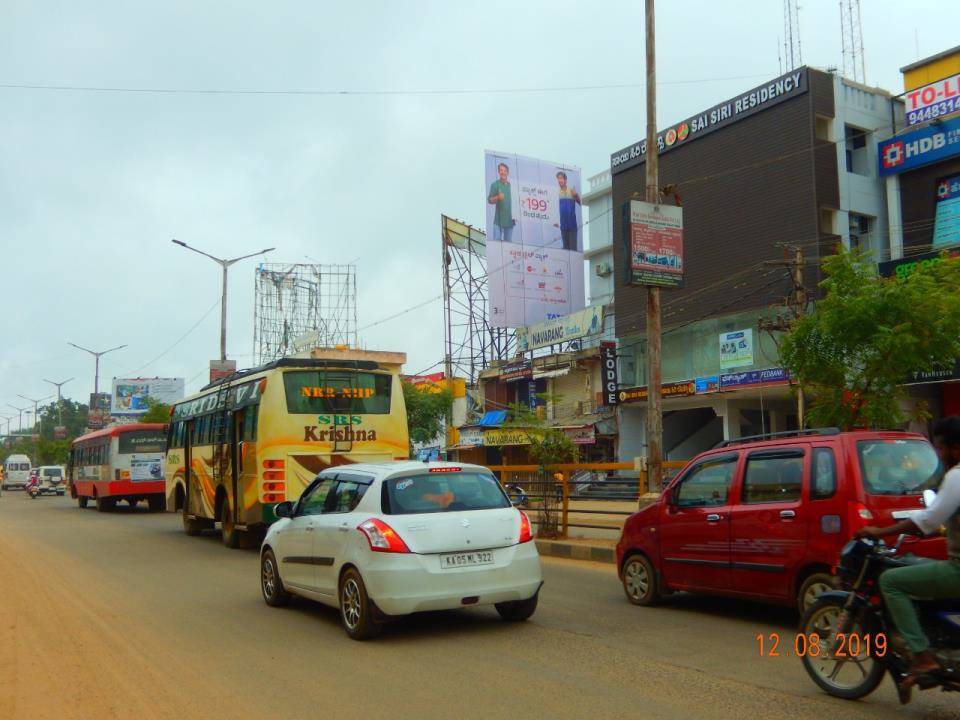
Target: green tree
(157, 412)
(853, 353)
(74, 417)
(427, 412)
(548, 446)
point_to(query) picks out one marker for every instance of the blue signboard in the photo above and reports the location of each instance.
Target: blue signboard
(919, 147)
(707, 384)
(946, 228)
(754, 377)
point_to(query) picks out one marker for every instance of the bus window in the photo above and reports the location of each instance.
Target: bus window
(337, 391)
(141, 441)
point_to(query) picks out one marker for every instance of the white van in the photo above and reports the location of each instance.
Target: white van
(16, 471)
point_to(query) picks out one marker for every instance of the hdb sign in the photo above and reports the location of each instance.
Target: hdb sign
(920, 147)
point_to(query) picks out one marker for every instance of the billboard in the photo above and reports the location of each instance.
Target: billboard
(130, 395)
(654, 244)
(534, 239)
(588, 321)
(946, 228)
(736, 349)
(919, 147)
(936, 100)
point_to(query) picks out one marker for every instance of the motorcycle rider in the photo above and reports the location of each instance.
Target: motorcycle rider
(939, 579)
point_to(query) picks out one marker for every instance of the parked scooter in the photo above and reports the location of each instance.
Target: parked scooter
(848, 639)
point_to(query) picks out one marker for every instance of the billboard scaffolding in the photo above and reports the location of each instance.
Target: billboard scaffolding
(471, 343)
(302, 306)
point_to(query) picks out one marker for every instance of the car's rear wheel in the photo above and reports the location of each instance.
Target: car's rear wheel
(517, 610)
(356, 609)
(640, 581)
(270, 584)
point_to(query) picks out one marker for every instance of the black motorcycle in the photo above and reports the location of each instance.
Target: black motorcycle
(847, 638)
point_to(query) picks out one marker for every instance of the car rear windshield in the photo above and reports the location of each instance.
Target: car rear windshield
(898, 467)
(142, 441)
(337, 391)
(52, 472)
(442, 492)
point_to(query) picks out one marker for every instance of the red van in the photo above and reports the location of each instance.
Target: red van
(766, 518)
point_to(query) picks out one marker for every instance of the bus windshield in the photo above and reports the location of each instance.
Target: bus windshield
(142, 441)
(337, 391)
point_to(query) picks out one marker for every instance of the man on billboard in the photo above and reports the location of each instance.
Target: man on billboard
(499, 195)
(569, 227)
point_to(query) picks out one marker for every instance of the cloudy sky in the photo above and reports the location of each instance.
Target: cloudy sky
(94, 184)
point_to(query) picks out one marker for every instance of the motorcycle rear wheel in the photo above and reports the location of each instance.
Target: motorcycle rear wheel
(865, 672)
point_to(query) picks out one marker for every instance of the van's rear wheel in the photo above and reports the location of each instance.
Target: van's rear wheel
(640, 582)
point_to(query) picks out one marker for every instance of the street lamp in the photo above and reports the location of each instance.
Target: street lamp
(20, 412)
(96, 371)
(224, 263)
(59, 400)
(6, 419)
(36, 415)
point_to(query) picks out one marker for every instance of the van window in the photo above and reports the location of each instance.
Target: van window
(708, 484)
(773, 479)
(898, 467)
(824, 483)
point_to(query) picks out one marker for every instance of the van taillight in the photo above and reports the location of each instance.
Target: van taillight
(382, 537)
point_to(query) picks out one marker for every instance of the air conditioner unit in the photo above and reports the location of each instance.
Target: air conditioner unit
(603, 269)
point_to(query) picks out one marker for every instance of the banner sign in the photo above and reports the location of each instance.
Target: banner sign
(471, 436)
(130, 394)
(674, 389)
(904, 266)
(495, 437)
(950, 373)
(920, 147)
(705, 385)
(534, 239)
(736, 349)
(588, 321)
(946, 226)
(653, 235)
(585, 435)
(608, 373)
(516, 371)
(772, 376)
(933, 101)
(785, 87)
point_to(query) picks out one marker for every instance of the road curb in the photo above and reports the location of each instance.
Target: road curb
(576, 551)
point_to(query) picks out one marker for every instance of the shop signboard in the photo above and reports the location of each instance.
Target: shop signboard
(770, 376)
(516, 371)
(736, 349)
(585, 435)
(496, 437)
(608, 372)
(904, 266)
(672, 389)
(941, 375)
(471, 436)
(920, 147)
(588, 321)
(705, 385)
(946, 225)
(653, 235)
(534, 239)
(933, 101)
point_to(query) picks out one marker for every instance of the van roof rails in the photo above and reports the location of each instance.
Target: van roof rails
(778, 435)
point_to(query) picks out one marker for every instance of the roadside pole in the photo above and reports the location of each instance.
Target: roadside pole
(654, 330)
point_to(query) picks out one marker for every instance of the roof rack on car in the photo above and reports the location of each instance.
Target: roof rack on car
(777, 435)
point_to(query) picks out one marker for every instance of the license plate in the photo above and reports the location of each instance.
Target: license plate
(466, 559)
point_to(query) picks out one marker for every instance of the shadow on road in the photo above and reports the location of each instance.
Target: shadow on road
(731, 609)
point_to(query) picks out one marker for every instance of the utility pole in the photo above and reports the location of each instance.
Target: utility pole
(796, 304)
(654, 329)
(59, 398)
(36, 418)
(224, 263)
(20, 412)
(96, 372)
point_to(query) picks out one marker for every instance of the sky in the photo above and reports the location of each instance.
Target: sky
(93, 185)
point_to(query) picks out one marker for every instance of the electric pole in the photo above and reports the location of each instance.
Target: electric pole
(654, 330)
(224, 263)
(59, 398)
(96, 372)
(796, 303)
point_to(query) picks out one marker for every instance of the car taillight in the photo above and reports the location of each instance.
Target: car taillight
(382, 537)
(526, 533)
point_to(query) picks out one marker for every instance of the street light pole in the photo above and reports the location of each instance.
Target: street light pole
(19, 416)
(59, 398)
(36, 417)
(223, 263)
(96, 372)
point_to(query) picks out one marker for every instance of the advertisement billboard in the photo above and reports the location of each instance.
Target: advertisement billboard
(946, 226)
(736, 349)
(936, 100)
(588, 321)
(130, 395)
(654, 244)
(534, 239)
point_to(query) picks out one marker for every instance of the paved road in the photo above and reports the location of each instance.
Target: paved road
(122, 616)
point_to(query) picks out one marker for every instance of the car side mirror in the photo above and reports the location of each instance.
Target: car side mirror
(284, 509)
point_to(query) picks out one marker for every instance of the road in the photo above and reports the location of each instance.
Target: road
(123, 616)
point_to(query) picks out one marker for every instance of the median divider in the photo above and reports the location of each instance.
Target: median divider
(577, 550)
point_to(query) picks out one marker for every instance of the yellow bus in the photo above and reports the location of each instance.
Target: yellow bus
(259, 437)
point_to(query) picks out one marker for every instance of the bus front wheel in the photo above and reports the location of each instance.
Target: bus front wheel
(231, 536)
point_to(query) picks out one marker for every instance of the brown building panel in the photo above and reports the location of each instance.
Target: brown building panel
(745, 187)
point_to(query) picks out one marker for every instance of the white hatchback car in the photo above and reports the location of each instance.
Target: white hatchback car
(386, 539)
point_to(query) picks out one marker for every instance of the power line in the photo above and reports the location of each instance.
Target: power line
(179, 340)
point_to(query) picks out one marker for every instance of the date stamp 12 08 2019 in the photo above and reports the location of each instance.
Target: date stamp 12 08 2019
(839, 645)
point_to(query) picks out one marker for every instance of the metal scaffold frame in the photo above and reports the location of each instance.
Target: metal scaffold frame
(470, 342)
(300, 306)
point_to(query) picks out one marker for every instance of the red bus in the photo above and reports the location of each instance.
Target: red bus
(121, 463)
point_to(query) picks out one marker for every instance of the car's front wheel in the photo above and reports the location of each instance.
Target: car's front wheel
(356, 609)
(270, 584)
(517, 610)
(640, 581)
